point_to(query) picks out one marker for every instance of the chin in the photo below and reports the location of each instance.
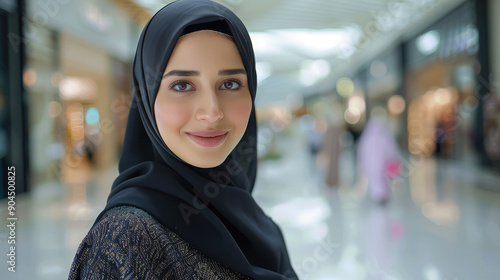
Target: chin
(207, 163)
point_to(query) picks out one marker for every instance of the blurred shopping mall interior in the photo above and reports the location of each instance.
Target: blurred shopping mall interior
(429, 69)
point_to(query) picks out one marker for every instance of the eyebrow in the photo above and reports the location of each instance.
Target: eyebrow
(182, 73)
(230, 72)
(186, 73)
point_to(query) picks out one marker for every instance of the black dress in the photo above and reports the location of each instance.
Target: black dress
(127, 243)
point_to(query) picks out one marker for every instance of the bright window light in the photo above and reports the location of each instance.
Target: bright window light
(264, 70)
(77, 88)
(319, 43)
(313, 71)
(428, 43)
(264, 43)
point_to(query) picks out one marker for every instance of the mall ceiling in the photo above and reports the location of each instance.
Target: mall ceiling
(303, 46)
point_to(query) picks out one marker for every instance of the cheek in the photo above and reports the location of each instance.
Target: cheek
(239, 113)
(170, 117)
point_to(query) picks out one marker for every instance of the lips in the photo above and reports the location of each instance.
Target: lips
(209, 139)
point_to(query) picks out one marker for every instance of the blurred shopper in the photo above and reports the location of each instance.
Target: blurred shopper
(378, 158)
(445, 134)
(89, 149)
(440, 137)
(331, 151)
(181, 207)
(315, 138)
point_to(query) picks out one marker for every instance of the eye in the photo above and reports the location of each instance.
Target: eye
(230, 85)
(181, 86)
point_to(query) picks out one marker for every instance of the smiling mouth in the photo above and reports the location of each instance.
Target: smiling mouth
(208, 138)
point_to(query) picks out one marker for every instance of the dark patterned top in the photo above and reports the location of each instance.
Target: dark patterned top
(127, 243)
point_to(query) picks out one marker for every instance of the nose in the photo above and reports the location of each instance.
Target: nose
(209, 109)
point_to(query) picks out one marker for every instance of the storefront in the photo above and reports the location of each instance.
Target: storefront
(492, 98)
(441, 81)
(78, 78)
(13, 147)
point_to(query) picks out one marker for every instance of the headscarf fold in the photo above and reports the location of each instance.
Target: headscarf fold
(210, 208)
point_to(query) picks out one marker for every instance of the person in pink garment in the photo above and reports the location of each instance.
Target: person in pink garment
(378, 158)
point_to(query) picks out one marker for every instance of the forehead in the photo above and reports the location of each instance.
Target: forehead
(205, 47)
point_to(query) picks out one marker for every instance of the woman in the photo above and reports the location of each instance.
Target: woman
(181, 207)
(378, 158)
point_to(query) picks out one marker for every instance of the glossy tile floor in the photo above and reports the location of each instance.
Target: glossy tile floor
(442, 223)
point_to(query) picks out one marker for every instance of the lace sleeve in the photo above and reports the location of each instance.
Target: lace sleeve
(127, 243)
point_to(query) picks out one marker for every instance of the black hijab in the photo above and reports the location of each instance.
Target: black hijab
(210, 208)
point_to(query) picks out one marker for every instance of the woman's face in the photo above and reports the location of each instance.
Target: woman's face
(203, 104)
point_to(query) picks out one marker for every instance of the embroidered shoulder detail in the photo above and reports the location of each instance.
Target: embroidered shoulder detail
(128, 243)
